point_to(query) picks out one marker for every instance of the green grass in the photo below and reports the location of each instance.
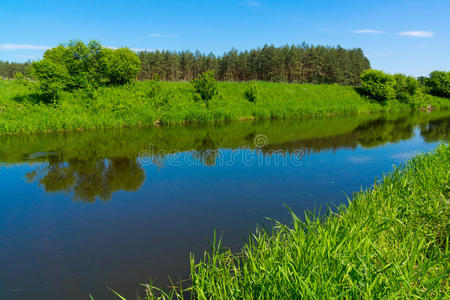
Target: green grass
(22, 111)
(389, 242)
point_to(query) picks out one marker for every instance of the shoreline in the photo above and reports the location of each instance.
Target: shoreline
(130, 106)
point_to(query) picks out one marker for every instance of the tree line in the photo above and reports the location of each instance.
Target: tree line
(296, 63)
(9, 69)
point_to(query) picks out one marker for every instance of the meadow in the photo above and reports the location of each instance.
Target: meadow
(146, 103)
(390, 241)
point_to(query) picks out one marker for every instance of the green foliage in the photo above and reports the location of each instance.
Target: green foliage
(438, 83)
(378, 85)
(290, 63)
(405, 86)
(251, 94)
(82, 61)
(121, 65)
(85, 67)
(154, 86)
(205, 86)
(129, 105)
(390, 241)
(9, 69)
(52, 77)
(297, 63)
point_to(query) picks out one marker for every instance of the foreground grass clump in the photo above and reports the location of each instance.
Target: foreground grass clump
(389, 242)
(23, 110)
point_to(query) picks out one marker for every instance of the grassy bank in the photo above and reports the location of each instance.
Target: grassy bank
(137, 104)
(389, 242)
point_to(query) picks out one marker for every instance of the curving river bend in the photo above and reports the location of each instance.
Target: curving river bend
(83, 211)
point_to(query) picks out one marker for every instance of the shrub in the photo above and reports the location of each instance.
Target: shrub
(121, 65)
(205, 86)
(52, 77)
(438, 83)
(251, 94)
(378, 85)
(82, 61)
(405, 86)
(79, 66)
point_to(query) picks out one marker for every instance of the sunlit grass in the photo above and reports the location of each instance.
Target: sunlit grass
(389, 242)
(21, 110)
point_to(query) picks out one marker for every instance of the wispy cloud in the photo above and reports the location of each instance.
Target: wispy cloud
(370, 31)
(11, 47)
(31, 57)
(157, 35)
(418, 33)
(251, 3)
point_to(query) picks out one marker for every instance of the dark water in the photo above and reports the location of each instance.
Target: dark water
(83, 211)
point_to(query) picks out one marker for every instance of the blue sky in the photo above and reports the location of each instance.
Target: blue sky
(411, 37)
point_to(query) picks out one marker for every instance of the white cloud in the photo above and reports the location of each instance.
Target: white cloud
(30, 57)
(11, 47)
(156, 35)
(372, 31)
(418, 33)
(251, 3)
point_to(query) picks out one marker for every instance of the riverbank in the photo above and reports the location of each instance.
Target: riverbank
(389, 241)
(147, 103)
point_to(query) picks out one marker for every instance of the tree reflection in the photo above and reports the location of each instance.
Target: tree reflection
(89, 178)
(382, 131)
(95, 164)
(436, 130)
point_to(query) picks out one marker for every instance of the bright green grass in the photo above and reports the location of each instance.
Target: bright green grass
(389, 242)
(130, 106)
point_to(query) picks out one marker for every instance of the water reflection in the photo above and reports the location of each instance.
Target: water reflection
(89, 179)
(95, 165)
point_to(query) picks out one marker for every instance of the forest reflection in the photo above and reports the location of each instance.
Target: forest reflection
(89, 179)
(95, 165)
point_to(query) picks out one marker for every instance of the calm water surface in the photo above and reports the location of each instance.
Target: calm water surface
(82, 211)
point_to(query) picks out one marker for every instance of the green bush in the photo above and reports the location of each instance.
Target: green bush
(121, 65)
(52, 77)
(82, 61)
(438, 84)
(405, 86)
(378, 85)
(79, 66)
(205, 86)
(251, 94)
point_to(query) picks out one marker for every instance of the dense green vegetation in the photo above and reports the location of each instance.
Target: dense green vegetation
(22, 109)
(382, 86)
(9, 69)
(76, 66)
(297, 63)
(79, 86)
(390, 241)
(438, 83)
